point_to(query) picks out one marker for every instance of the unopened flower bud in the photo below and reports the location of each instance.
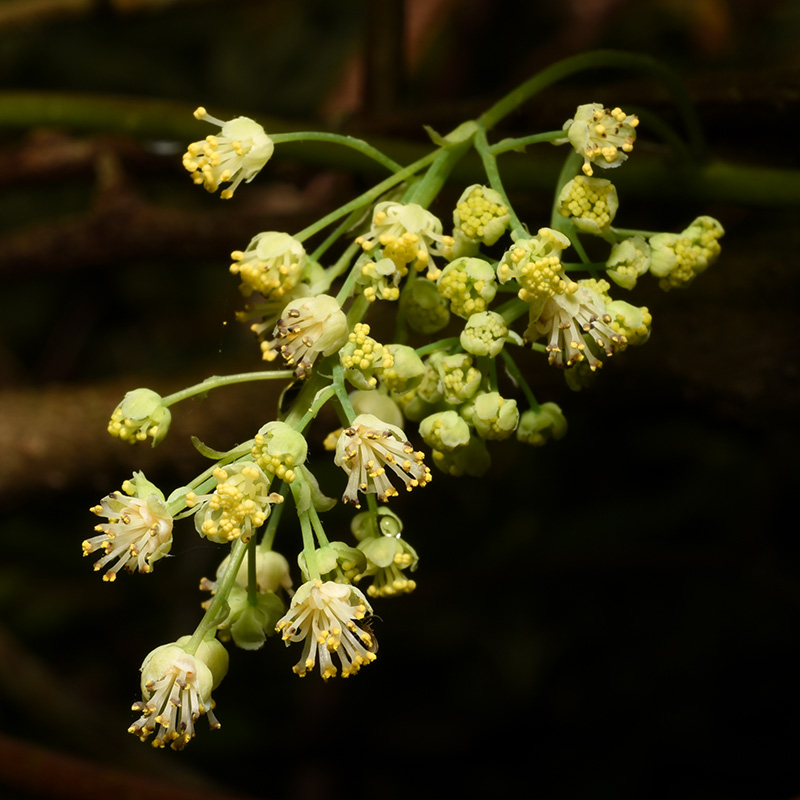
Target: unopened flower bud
(140, 416)
(537, 426)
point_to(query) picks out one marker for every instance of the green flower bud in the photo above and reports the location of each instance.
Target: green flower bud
(484, 334)
(251, 625)
(537, 426)
(334, 558)
(423, 307)
(628, 260)
(493, 416)
(481, 215)
(460, 380)
(279, 449)
(406, 370)
(679, 258)
(362, 356)
(469, 284)
(632, 322)
(141, 415)
(384, 523)
(445, 430)
(591, 203)
(379, 404)
(471, 459)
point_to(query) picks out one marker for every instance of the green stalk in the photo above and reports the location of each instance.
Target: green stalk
(367, 197)
(493, 174)
(218, 608)
(334, 138)
(215, 381)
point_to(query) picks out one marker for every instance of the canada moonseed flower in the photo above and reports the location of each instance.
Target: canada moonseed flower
(308, 327)
(367, 449)
(236, 154)
(329, 618)
(138, 532)
(176, 691)
(602, 136)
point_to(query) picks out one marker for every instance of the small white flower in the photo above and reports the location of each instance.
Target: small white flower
(308, 327)
(602, 136)
(330, 618)
(236, 154)
(367, 448)
(408, 234)
(176, 691)
(138, 531)
(568, 318)
(591, 203)
(272, 264)
(238, 506)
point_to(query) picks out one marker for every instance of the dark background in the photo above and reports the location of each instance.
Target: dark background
(612, 616)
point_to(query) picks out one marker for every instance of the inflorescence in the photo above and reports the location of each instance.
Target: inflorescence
(490, 289)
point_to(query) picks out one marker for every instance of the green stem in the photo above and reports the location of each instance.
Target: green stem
(367, 197)
(274, 518)
(334, 138)
(215, 381)
(252, 583)
(341, 394)
(504, 145)
(332, 238)
(218, 608)
(316, 525)
(493, 174)
(424, 191)
(322, 397)
(516, 375)
(442, 344)
(309, 548)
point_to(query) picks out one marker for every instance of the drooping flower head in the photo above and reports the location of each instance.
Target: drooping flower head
(538, 425)
(237, 153)
(628, 261)
(308, 327)
(678, 258)
(568, 318)
(140, 416)
(368, 448)
(330, 618)
(591, 203)
(602, 136)
(408, 234)
(138, 532)
(238, 506)
(388, 555)
(535, 263)
(176, 691)
(272, 264)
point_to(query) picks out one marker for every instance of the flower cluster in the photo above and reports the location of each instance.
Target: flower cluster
(405, 328)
